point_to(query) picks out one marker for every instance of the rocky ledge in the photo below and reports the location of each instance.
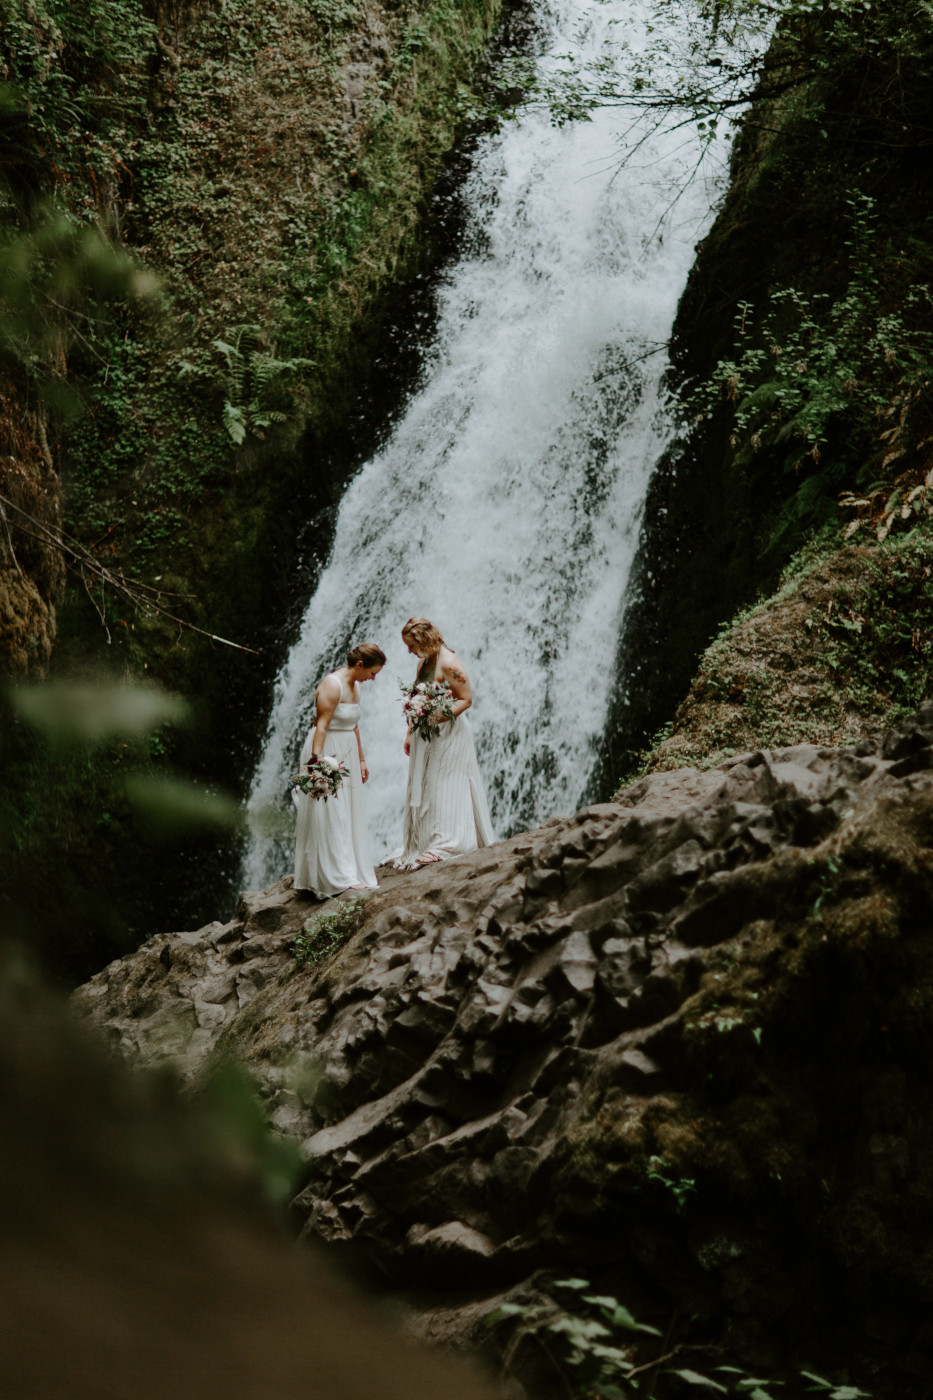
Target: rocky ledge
(679, 1043)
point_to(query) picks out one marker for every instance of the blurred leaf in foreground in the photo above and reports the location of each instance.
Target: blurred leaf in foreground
(167, 808)
(67, 712)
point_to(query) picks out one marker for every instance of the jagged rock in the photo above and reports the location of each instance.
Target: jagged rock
(171, 999)
(537, 1054)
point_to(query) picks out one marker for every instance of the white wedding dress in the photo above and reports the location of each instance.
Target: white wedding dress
(332, 850)
(446, 812)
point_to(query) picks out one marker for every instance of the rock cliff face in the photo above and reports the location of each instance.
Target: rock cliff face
(31, 568)
(678, 1043)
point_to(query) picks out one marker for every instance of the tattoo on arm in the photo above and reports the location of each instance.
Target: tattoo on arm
(458, 675)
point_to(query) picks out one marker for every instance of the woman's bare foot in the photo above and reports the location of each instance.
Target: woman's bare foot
(428, 858)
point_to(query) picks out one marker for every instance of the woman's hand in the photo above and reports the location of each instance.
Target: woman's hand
(364, 771)
(408, 743)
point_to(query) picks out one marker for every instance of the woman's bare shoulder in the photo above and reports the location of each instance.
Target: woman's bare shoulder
(329, 690)
(452, 665)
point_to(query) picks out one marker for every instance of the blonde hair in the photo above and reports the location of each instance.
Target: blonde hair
(424, 635)
(366, 654)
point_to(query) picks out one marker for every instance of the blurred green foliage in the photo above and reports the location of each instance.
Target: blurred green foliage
(83, 780)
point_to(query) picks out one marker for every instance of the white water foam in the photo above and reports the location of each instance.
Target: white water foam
(507, 503)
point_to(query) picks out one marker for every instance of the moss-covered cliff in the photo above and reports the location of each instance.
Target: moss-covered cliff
(838, 652)
(270, 162)
(802, 347)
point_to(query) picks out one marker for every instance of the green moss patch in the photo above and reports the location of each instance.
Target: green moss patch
(841, 651)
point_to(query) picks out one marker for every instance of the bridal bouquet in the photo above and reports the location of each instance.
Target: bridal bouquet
(426, 704)
(324, 777)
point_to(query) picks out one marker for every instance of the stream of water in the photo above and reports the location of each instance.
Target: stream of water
(507, 501)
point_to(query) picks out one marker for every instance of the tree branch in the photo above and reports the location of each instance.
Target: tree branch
(78, 558)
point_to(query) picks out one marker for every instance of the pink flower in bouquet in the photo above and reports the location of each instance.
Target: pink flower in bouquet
(426, 705)
(323, 778)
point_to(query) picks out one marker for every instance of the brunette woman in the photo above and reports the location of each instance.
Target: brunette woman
(332, 851)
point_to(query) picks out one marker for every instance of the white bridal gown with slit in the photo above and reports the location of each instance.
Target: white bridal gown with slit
(446, 813)
(332, 850)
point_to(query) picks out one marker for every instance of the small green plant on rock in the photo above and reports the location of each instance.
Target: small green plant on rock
(681, 1188)
(582, 1340)
(327, 932)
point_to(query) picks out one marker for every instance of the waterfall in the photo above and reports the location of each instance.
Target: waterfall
(506, 504)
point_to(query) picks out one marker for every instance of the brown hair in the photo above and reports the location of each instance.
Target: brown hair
(366, 654)
(423, 633)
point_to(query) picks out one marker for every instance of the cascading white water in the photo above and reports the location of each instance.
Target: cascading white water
(507, 502)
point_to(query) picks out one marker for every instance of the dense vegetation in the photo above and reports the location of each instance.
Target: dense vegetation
(270, 161)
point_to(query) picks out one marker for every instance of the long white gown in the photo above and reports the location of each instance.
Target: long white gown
(332, 850)
(446, 812)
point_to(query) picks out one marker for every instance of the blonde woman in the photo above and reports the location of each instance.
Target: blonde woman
(446, 813)
(332, 851)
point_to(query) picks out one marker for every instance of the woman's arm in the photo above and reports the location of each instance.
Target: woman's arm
(456, 677)
(408, 731)
(359, 744)
(326, 701)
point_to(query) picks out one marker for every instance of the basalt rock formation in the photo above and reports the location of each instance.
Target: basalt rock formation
(678, 1043)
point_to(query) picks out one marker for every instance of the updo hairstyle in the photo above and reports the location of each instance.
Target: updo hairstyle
(423, 635)
(366, 654)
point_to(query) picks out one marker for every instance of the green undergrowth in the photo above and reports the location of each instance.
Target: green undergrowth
(64, 819)
(841, 651)
(594, 1346)
(85, 780)
(327, 932)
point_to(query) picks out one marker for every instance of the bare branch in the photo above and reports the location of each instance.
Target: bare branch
(80, 559)
(9, 540)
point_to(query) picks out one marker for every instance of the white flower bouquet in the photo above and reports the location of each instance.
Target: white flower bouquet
(426, 705)
(323, 778)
